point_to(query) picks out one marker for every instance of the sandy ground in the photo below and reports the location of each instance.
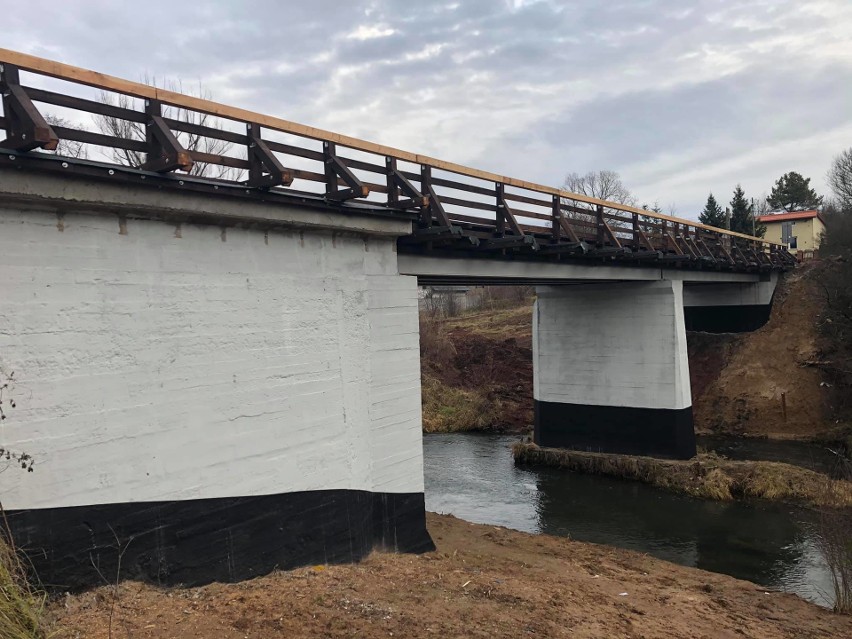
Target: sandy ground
(482, 582)
(745, 398)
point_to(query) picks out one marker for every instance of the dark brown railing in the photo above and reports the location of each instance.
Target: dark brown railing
(456, 208)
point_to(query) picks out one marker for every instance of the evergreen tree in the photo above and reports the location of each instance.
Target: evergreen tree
(742, 215)
(792, 192)
(712, 215)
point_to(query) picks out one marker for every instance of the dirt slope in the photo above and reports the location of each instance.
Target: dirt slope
(742, 379)
(482, 582)
(477, 370)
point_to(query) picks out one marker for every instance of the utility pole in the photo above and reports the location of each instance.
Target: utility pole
(728, 218)
(753, 223)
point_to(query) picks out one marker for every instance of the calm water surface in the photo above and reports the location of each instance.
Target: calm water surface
(474, 477)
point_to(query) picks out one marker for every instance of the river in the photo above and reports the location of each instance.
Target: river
(473, 477)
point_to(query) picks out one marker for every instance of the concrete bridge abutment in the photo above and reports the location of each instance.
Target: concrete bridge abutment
(610, 368)
(210, 388)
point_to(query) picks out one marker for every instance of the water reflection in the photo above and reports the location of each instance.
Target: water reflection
(811, 456)
(474, 478)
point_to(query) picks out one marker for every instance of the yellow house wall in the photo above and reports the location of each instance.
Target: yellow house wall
(773, 232)
(808, 233)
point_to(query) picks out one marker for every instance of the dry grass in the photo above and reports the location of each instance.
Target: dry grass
(22, 607)
(469, 372)
(447, 409)
(706, 476)
(515, 321)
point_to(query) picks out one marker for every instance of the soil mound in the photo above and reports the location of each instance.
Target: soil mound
(763, 383)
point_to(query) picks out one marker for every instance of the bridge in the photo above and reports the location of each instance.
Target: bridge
(209, 360)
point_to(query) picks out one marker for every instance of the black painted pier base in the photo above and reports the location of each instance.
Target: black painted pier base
(655, 432)
(194, 542)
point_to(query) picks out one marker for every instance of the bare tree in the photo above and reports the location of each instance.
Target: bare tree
(840, 178)
(761, 206)
(66, 148)
(118, 127)
(603, 185)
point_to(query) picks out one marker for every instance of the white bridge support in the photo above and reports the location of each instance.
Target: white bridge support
(213, 399)
(610, 368)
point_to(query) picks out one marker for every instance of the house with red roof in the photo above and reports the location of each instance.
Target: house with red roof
(799, 230)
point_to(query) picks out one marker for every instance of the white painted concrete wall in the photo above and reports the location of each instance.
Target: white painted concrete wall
(731, 294)
(155, 367)
(618, 344)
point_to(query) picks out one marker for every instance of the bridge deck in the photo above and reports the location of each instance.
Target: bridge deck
(182, 142)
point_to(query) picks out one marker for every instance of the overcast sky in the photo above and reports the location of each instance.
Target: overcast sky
(681, 98)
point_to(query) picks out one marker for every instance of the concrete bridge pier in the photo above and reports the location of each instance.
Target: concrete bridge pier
(610, 368)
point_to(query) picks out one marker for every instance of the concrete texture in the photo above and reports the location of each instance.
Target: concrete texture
(611, 345)
(466, 270)
(731, 294)
(75, 193)
(610, 369)
(155, 361)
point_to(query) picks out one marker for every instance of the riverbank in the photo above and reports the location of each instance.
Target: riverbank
(706, 476)
(482, 581)
(476, 369)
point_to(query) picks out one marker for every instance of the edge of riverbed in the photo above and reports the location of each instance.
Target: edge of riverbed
(705, 476)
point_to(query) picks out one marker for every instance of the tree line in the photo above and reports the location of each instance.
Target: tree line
(791, 192)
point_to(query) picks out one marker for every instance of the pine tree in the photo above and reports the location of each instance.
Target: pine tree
(712, 215)
(742, 215)
(792, 192)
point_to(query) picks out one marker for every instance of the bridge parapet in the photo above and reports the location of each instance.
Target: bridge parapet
(457, 209)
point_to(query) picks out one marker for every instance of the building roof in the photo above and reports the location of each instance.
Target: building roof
(795, 215)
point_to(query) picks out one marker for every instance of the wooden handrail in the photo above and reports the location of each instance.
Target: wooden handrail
(103, 81)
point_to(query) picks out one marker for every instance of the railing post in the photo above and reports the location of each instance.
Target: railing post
(556, 215)
(329, 151)
(260, 157)
(637, 242)
(427, 212)
(155, 149)
(599, 239)
(26, 128)
(255, 165)
(501, 210)
(164, 152)
(393, 192)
